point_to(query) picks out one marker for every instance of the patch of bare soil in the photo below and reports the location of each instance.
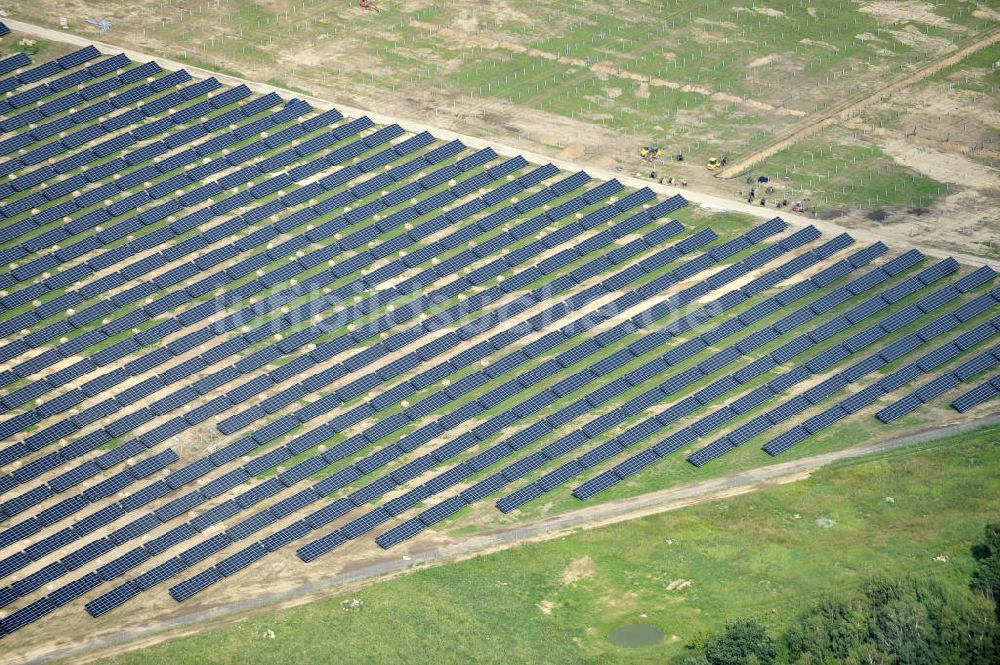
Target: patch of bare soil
(579, 569)
(902, 11)
(943, 166)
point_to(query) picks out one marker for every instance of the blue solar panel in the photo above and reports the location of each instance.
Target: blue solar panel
(974, 397)
(160, 573)
(899, 408)
(73, 590)
(979, 363)
(192, 585)
(26, 615)
(519, 498)
(321, 546)
(862, 398)
(596, 485)
(715, 449)
(237, 562)
(636, 463)
(936, 387)
(123, 564)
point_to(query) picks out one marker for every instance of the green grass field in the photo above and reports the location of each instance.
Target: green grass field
(913, 511)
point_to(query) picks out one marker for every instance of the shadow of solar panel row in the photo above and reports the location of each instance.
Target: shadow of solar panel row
(896, 379)
(291, 474)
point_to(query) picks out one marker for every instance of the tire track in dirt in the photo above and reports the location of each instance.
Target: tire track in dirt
(849, 108)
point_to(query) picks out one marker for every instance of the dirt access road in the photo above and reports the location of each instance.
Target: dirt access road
(849, 108)
(547, 528)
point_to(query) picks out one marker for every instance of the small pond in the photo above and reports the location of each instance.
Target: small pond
(634, 635)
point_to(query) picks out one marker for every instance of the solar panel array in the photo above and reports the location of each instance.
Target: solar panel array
(374, 329)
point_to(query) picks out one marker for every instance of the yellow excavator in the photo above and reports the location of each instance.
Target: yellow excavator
(714, 163)
(649, 152)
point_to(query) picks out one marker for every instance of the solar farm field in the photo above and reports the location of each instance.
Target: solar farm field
(248, 342)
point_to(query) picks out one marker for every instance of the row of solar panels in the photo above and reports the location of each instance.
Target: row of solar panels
(35, 74)
(687, 435)
(235, 562)
(581, 406)
(80, 157)
(308, 412)
(258, 493)
(684, 379)
(172, 253)
(64, 122)
(37, 201)
(838, 381)
(382, 405)
(701, 427)
(143, 196)
(311, 466)
(870, 394)
(56, 108)
(813, 366)
(133, 395)
(941, 384)
(65, 116)
(559, 390)
(194, 243)
(163, 355)
(981, 393)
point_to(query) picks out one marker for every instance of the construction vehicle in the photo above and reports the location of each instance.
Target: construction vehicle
(649, 153)
(714, 163)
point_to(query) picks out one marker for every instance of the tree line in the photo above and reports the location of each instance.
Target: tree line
(906, 620)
